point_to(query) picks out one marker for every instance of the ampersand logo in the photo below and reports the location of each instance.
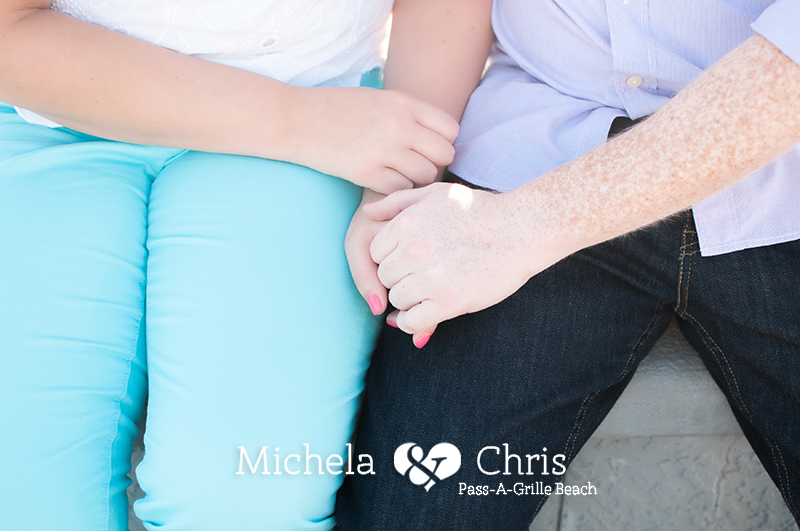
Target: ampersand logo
(442, 461)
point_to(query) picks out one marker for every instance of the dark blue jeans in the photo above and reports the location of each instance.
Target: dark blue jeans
(542, 368)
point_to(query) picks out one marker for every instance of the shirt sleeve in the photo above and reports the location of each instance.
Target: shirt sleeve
(780, 25)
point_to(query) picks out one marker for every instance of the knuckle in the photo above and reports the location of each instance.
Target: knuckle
(420, 251)
(454, 130)
(401, 322)
(449, 299)
(399, 183)
(373, 249)
(409, 219)
(400, 126)
(402, 222)
(433, 276)
(395, 297)
(445, 152)
(382, 274)
(417, 320)
(450, 153)
(453, 300)
(401, 98)
(428, 175)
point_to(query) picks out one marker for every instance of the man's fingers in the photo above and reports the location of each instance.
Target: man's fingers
(389, 207)
(382, 244)
(420, 319)
(406, 292)
(420, 339)
(390, 272)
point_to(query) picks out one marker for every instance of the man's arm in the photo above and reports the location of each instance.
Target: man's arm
(112, 85)
(451, 250)
(437, 52)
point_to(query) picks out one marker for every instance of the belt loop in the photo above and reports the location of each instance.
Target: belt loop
(691, 244)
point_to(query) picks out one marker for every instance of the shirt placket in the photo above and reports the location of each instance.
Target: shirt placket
(634, 55)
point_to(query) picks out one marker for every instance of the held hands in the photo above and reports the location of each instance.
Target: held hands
(444, 250)
(379, 139)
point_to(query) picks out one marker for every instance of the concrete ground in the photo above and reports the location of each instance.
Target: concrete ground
(683, 483)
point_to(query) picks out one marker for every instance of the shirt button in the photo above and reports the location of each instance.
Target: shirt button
(634, 81)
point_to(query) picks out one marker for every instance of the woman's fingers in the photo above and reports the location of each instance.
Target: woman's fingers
(391, 319)
(363, 269)
(388, 180)
(438, 121)
(435, 148)
(415, 167)
(383, 140)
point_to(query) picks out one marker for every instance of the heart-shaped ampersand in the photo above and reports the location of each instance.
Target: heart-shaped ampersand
(442, 461)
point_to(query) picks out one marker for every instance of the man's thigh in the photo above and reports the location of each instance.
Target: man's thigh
(531, 377)
(740, 312)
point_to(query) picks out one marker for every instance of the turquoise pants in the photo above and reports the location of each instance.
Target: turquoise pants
(215, 284)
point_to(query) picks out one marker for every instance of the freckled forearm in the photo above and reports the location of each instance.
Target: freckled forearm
(739, 115)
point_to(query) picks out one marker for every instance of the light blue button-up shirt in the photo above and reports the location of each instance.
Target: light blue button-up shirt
(564, 69)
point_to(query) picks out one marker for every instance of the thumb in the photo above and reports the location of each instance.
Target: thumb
(390, 206)
(365, 276)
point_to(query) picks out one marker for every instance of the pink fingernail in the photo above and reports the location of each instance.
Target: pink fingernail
(374, 304)
(391, 323)
(422, 341)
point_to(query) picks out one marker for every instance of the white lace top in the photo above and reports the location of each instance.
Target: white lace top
(302, 42)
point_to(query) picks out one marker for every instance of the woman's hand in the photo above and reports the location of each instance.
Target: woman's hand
(356, 245)
(380, 139)
(118, 87)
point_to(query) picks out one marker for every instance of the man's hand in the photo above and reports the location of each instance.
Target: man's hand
(448, 250)
(451, 251)
(379, 139)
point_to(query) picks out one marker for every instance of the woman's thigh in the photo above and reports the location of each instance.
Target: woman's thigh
(72, 380)
(257, 338)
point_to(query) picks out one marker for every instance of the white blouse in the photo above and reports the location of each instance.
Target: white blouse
(302, 42)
